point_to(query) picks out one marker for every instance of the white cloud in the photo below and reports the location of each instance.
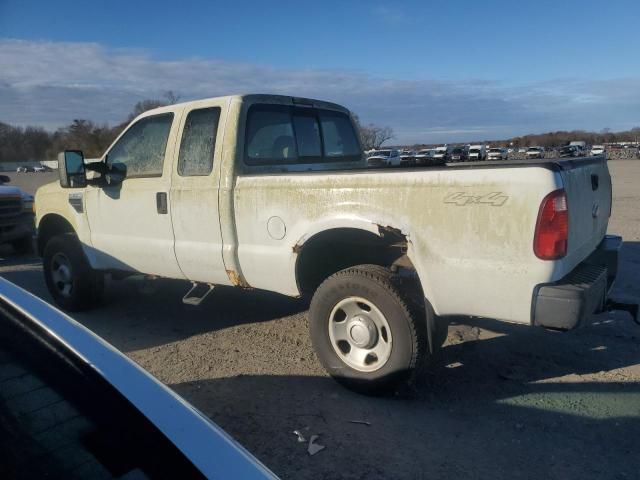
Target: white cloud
(51, 83)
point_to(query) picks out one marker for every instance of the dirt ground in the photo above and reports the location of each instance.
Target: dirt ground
(503, 401)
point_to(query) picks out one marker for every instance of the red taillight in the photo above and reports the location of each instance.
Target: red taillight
(552, 228)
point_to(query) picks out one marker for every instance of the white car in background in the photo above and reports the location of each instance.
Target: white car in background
(477, 153)
(497, 154)
(535, 152)
(597, 150)
(407, 157)
(440, 154)
(424, 157)
(381, 158)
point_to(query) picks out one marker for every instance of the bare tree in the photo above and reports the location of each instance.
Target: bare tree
(168, 98)
(373, 136)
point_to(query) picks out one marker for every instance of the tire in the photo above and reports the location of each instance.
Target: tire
(71, 282)
(364, 330)
(441, 332)
(23, 245)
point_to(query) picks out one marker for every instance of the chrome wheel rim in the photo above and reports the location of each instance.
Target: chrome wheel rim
(62, 274)
(360, 334)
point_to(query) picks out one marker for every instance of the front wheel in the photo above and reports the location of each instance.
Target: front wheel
(364, 331)
(71, 282)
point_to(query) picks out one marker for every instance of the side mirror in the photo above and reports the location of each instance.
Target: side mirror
(71, 169)
(4, 179)
(116, 174)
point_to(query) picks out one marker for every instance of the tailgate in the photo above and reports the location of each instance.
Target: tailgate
(588, 186)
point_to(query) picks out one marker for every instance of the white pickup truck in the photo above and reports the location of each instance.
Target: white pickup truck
(273, 192)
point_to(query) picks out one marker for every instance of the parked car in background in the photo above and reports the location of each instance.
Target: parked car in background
(441, 154)
(425, 156)
(497, 154)
(477, 153)
(458, 154)
(522, 150)
(570, 151)
(42, 169)
(384, 158)
(25, 169)
(407, 157)
(16, 217)
(535, 152)
(581, 147)
(597, 150)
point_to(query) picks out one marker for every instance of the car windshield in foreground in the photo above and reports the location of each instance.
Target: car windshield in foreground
(474, 150)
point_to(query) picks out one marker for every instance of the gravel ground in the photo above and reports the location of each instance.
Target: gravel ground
(503, 401)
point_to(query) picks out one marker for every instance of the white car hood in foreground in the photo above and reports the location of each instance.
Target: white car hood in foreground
(206, 445)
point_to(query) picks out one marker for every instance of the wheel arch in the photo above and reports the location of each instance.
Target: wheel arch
(341, 246)
(50, 225)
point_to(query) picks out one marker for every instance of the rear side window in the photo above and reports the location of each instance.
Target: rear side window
(270, 137)
(198, 142)
(340, 142)
(142, 147)
(285, 135)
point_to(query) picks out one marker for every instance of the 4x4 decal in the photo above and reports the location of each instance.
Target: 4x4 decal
(461, 199)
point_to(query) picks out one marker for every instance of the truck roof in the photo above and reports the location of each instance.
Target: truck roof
(255, 98)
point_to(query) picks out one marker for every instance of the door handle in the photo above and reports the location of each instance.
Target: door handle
(161, 202)
(595, 181)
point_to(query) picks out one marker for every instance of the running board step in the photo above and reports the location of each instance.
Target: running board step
(197, 293)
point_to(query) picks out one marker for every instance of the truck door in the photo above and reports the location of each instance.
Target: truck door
(194, 193)
(131, 222)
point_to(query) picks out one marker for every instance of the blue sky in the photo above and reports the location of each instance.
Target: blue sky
(433, 71)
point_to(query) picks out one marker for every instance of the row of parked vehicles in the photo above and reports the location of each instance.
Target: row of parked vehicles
(435, 156)
(473, 153)
(30, 169)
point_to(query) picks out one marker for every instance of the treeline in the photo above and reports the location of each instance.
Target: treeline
(19, 144)
(556, 139)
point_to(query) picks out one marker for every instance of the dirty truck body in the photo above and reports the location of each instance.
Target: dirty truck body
(278, 197)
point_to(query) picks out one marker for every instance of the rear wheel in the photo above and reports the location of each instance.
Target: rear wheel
(71, 282)
(365, 332)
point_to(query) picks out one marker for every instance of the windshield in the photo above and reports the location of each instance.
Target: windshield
(474, 150)
(533, 149)
(495, 150)
(381, 153)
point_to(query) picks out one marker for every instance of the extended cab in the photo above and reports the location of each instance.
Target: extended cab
(274, 193)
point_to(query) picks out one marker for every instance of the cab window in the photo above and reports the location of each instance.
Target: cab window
(142, 147)
(198, 142)
(289, 135)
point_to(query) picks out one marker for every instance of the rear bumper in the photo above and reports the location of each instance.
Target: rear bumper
(571, 301)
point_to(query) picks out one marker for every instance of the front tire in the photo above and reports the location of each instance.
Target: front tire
(70, 279)
(364, 331)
